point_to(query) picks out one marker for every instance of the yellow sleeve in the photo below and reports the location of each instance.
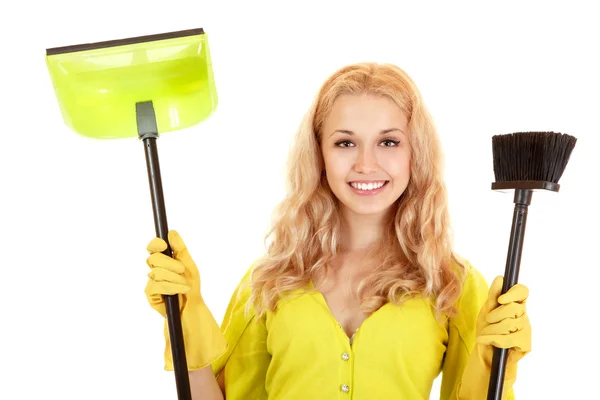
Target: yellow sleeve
(246, 360)
(461, 332)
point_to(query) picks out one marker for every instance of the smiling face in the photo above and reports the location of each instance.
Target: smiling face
(366, 152)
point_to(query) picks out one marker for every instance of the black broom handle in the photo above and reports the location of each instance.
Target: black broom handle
(172, 301)
(522, 200)
(148, 134)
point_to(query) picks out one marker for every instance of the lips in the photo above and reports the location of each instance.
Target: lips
(367, 188)
(367, 185)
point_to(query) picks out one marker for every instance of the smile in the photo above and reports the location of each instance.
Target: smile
(370, 187)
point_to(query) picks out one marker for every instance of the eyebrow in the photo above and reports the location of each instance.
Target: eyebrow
(383, 132)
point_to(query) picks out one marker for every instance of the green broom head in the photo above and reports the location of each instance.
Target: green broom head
(531, 160)
(98, 86)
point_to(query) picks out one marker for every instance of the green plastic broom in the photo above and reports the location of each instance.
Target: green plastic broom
(139, 87)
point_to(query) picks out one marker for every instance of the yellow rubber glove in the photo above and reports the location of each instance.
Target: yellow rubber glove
(502, 322)
(203, 339)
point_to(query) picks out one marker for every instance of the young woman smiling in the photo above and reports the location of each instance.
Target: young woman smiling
(359, 294)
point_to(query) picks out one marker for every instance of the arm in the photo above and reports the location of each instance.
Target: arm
(234, 353)
(502, 323)
(461, 332)
(204, 341)
(204, 386)
(481, 324)
(246, 359)
(241, 371)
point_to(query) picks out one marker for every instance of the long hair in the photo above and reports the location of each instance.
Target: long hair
(416, 256)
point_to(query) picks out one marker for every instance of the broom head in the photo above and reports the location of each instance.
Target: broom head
(530, 160)
(98, 85)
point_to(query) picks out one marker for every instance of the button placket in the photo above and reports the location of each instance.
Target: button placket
(347, 367)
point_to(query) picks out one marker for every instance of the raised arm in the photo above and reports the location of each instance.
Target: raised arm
(204, 342)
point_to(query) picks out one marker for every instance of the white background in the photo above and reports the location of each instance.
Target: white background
(76, 213)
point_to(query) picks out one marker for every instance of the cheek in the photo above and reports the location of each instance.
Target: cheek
(397, 166)
(337, 164)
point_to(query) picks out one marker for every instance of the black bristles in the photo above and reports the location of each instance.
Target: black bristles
(531, 156)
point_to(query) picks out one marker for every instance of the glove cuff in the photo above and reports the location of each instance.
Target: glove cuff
(476, 377)
(203, 339)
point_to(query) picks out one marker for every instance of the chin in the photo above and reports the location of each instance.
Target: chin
(368, 209)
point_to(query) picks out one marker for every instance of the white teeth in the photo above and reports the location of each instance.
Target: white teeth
(367, 186)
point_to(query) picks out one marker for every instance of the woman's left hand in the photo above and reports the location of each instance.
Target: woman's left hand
(503, 322)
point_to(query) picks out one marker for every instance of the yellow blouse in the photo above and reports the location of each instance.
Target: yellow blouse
(301, 352)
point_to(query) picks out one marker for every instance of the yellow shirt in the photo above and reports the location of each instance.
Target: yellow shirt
(301, 352)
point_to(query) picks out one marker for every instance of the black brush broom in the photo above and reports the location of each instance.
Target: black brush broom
(524, 162)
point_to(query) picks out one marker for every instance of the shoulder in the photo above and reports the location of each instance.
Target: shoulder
(472, 280)
(240, 297)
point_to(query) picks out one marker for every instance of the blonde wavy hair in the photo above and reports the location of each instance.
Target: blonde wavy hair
(416, 257)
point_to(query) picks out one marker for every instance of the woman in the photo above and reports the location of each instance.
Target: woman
(359, 294)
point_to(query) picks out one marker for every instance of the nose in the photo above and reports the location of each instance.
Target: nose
(366, 162)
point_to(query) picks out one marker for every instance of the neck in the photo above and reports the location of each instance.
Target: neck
(362, 232)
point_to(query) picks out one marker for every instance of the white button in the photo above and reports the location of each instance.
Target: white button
(345, 356)
(345, 388)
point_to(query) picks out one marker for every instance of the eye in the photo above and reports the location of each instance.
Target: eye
(390, 143)
(344, 143)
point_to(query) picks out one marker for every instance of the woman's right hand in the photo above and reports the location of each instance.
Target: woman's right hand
(171, 275)
(178, 275)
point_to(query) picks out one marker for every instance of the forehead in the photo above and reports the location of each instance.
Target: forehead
(365, 113)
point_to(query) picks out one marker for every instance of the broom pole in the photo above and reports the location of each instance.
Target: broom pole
(522, 200)
(149, 133)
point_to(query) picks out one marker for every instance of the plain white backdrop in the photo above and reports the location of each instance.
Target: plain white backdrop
(76, 213)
